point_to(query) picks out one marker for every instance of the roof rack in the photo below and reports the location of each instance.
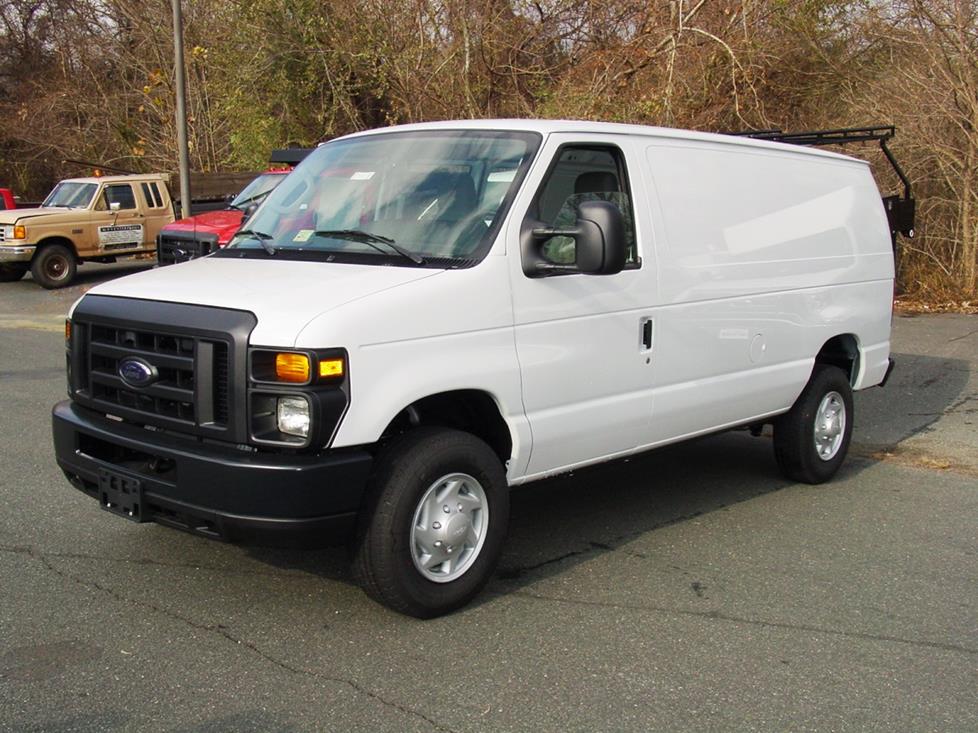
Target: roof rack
(900, 210)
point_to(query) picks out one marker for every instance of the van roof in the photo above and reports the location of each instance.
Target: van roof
(547, 127)
(134, 177)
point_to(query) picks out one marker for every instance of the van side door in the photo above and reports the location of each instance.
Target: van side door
(580, 338)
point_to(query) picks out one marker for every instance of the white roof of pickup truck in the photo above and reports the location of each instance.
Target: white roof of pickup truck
(547, 127)
(129, 178)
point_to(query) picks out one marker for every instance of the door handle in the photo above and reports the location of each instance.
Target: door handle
(646, 327)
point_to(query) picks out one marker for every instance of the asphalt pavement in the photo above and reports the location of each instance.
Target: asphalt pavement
(691, 588)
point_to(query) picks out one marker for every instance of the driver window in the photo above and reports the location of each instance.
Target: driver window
(583, 174)
(121, 193)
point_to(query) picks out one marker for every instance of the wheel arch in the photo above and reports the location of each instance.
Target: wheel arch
(54, 239)
(842, 351)
(474, 411)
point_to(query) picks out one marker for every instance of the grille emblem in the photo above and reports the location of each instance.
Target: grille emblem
(136, 372)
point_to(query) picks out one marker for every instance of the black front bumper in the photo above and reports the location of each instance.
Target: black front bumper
(210, 489)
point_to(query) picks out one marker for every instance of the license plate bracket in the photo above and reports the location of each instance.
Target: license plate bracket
(120, 494)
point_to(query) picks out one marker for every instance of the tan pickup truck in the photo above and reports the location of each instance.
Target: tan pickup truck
(83, 219)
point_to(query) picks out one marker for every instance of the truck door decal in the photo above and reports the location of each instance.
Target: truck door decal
(120, 236)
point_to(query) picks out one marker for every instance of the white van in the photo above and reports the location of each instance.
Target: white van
(421, 317)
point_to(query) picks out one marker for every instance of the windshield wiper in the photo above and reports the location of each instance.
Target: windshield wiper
(358, 235)
(261, 237)
(242, 205)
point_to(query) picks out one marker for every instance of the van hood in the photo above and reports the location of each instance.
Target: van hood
(284, 295)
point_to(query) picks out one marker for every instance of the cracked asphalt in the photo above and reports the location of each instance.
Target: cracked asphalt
(688, 589)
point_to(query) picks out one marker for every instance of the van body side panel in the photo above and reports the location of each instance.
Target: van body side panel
(443, 333)
(764, 256)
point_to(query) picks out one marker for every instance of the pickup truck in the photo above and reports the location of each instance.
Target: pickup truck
(7, 200)
(83, 219)
(196, 236)
(420, 318)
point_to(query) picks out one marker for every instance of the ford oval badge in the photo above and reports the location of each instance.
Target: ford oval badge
(136, 372)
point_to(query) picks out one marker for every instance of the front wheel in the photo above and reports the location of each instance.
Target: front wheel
(811, 439)
(54, 266)
(434, 523)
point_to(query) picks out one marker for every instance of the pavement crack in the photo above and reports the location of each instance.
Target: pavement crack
(611, 545)
(720, 616)
(28, 550)
(959, 338)
(223, 632)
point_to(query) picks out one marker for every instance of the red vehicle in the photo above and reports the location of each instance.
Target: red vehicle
(199, 235)
(7, 200)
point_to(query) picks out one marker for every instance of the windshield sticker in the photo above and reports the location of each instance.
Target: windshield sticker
(129, 234)
(362, 176)
(501, 176)
(302, 235)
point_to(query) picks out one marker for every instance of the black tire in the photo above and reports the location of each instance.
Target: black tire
(10, 273)
(405, 471)
(54, 266)
(795, 448)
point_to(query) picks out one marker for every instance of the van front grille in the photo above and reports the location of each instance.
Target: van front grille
(172, 394)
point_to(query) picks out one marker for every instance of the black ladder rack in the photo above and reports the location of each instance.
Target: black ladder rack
(900, 210)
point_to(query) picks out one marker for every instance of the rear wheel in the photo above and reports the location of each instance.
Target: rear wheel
(811, 440)
(12, 272)
(433, 527)
(54, 266)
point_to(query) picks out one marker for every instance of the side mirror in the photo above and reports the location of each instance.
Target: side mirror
(599, 238)
(115, 206)
(249, 212)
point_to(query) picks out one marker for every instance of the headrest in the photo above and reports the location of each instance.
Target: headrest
(596, 182)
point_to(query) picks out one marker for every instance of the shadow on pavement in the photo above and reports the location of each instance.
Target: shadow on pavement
(557, 522)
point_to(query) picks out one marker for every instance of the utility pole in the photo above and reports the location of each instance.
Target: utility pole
(181, 90)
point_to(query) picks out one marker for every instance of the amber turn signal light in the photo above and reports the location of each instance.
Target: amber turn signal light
(331, 368)
(292, 367)
(67, 330)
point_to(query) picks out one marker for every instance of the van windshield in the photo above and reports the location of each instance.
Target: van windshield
(427, 198)
(72, 194)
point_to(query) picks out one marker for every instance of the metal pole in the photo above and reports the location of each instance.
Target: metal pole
(181, 90)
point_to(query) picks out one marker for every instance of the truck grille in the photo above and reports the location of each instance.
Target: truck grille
(179, 246)
(194, 356)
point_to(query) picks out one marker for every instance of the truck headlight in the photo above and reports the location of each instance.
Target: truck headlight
(292, 416)
(15, 231)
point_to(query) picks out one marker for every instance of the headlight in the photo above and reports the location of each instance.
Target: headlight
(15, 231)
(292, 416)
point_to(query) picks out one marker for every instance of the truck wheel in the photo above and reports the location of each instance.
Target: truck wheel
(12, 273)
(54, 266)
(433, 524)
(811, 439)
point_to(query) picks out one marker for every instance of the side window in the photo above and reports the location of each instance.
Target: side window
(583, 173)
(118, 192)
(152, 196)
(156, 195)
